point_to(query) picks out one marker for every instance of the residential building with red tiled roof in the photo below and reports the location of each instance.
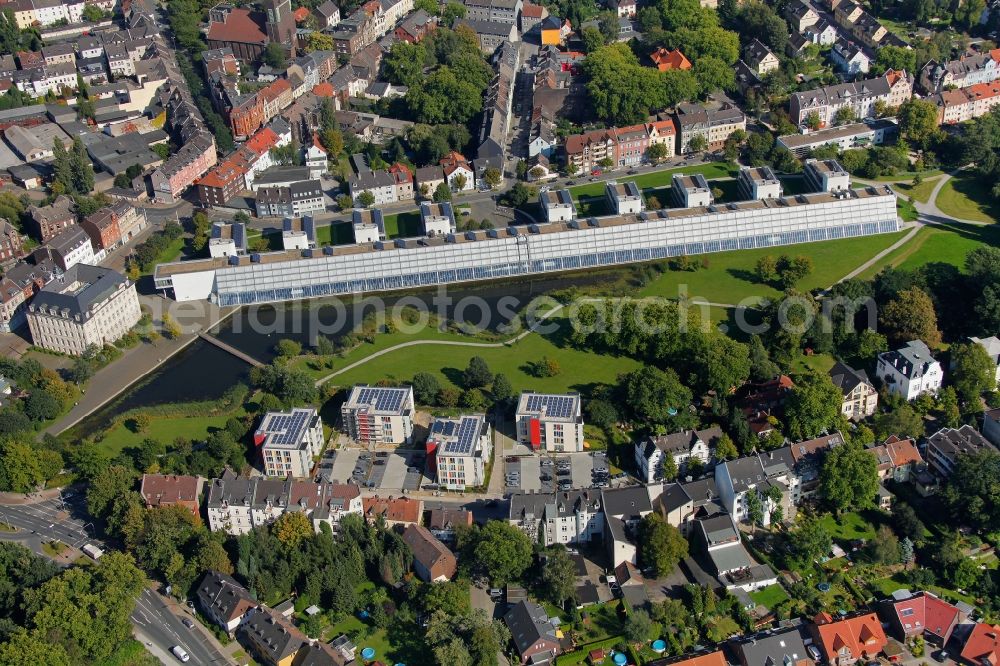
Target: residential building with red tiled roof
(922, 614)
(843, 642)
(324, 90)
(262, 141)
(432, 561)
(300, 14)
(169, 489)
(668, 59)
(274, 98)
(983, 645)
(221, 184)
(395, 510)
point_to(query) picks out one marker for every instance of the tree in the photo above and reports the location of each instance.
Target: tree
(906, 522)
(442, 192)
(906, 551)
(493, 177)
(274, 56)
(810, 541)
(792, 269)
(81, 168)
(698, 143)
(900, 421)
(755, 508)
(657, 152)
(725, 449)
(477, 374)
(448, 396)
(41, 405)
(171, 328)
(503, 552)
(812, 406)
(452, 12)
(895, 57)
(918, 118)
(558, 576)
(713, 74)
(288, 348)
(501, 389)
(910, 316)
(318, 41)
(638, 627)
(658, 397)
(425, 388)
(722, 363)
(661, 545)
(110, 483)
(849, 478)
(973, 489)
(473, 399)
(366, 199)
(884, 548)
(813, 121)
(844, 116)
(292, 528)
(766, 269)
(19, 471)
(762, 368)
(972, 372)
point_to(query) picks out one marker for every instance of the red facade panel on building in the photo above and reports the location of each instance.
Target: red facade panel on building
(535, 430)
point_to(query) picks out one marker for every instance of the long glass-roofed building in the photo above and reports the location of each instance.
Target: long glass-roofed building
(529, 250)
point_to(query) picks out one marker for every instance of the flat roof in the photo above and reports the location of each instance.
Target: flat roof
(207, 264)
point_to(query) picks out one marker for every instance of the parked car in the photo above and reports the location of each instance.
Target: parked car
(570, 183)
(595, 172)
(631, 172)
(380, 461)
(382, 454)
(546, 463)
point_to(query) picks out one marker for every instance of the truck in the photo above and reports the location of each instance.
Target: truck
(92, 551)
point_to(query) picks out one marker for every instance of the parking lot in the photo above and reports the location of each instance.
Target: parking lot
(545, 473)
(384, 470)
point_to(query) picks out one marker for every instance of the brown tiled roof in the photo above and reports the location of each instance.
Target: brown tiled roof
(168, 488)
(240, 26)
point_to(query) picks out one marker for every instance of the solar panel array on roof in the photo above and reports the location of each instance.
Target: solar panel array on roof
(285, 429)
(468, 433)
(240, 235)
(383, 399)
(556, 406)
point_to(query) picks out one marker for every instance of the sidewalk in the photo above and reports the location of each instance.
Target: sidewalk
(20, 499)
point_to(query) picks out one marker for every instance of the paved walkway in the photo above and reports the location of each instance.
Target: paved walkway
(881, 255)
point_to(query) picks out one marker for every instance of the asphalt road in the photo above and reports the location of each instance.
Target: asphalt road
(155, 623)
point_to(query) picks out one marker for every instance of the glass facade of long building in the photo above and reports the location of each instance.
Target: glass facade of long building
(544, 248)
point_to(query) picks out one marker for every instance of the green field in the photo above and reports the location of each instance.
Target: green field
(966, 197)
(941, 243)
(403, 225)
(164, 430)
(907, 211)
(335, 234)
(729, 278)
(579, 369)
(851, 525)
(170, 253)
(921, 192)
(770, 596)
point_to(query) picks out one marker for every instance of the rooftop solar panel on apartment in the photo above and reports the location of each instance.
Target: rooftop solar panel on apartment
(383, 399)
(556, 406)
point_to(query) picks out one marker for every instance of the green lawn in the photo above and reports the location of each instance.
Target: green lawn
(794, 185)
(921, 192)
(729, 278)
(887, 585)
(403, 225)
(335, 234)
(907, 211)
(770, 596)
(364, 635)
(946, 244)
(579, 369)
(907, 176)
(966, 197)
(170, 253)
(851, 526)
(820, 363)
(164, 430)
(657, 179)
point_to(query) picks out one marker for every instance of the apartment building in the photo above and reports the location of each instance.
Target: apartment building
(550, 422)
(491, 34)
(892, 89)
(437, 219)
(238, 504)
(910, 371)
(389, 186)
(682, 447)
(183, 168)
(48, 221)
(845, 137)
(227, 240)
(459, 449)
(568, 517)
(86, 305)
(964, 72)
(944, 447)
(11, 247)
(827, 176)
(296, 200)
(714, 124)
(963, 104)
(159, 490)
(860, 397)
(369, 225)
(624, 198)
(17, 286)
(224, 601)
(288, 442)
(691, 191)
(757, 183)
(376, 415)
(736, 479)
(558, 205)
(501, 11)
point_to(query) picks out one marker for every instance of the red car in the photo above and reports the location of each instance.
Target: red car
(595, 172)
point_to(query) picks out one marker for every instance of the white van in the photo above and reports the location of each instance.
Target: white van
(180, 653)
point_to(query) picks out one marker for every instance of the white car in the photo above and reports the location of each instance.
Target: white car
(180, 653)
